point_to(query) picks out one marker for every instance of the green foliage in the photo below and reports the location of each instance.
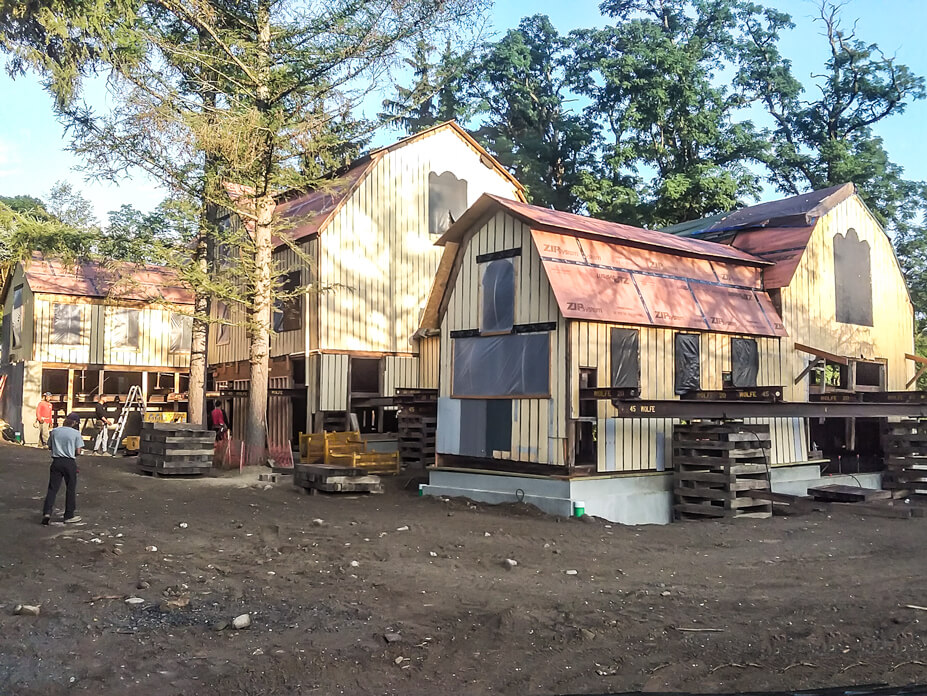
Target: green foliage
(522, 84)
(670, 129)
(438, 93)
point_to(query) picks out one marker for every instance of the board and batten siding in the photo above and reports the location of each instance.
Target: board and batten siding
(809, 303)
(96, 345)
(644, 444)
(429, 362)
(377, 250)
(235, 349)
(25, 349)
(539, 427)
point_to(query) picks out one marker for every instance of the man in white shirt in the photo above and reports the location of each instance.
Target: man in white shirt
(65, 444)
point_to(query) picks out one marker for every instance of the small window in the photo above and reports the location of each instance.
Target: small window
(688, 370)
(853, 279)
(222, 327)
(498, 284)
(745, 362)
(870, 375)
(626, 358)
(66, 325)
(124, 328)
(447, 201)
(17, 321)
(288, 309)
(181, 333)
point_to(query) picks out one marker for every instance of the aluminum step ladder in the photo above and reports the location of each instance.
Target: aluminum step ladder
(134, 402)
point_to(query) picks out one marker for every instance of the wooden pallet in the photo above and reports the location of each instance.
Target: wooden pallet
(418, 426)
(175, 449)
(847, 494)
(335, 479)
(716, 467)
(905, 446)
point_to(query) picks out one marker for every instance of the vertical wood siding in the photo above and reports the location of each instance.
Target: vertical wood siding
(644, 444)
(809, 305)
(429, 362)
(400, 372)
(26, 349)
(283, 343)
(378, 249)
(96, 344)
(333, 385)
(539, 429)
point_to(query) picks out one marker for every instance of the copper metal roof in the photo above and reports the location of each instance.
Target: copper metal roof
(123, 281)
(585, 226)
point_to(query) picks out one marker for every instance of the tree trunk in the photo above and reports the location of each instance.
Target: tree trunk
(259, 316)
(196, 404)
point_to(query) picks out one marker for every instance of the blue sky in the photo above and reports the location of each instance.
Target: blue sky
(33, 147)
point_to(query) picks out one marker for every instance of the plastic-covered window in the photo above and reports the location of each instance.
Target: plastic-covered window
(853, 279)
(626, 358)
(181, 333)
(124, 328)
(66, 325)
(447, 200)
(498, 296)
(688, 371)
(222, 327)
(17, 322)
(745, 362)
(511, 365)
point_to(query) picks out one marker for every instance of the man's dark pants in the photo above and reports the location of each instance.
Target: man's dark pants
(62, 468)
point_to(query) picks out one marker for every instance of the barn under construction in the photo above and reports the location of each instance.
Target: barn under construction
(570, 349)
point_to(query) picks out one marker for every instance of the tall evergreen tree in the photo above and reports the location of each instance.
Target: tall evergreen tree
(216, 91)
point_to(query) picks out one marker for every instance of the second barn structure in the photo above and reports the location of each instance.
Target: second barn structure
(569, 347)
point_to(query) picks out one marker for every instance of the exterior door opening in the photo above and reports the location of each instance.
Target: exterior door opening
(586, 427)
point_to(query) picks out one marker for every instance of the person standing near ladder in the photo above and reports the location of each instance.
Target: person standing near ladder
(102, 423)
(65, 444)
(43, 418)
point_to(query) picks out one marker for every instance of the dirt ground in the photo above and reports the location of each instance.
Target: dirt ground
(794, 602)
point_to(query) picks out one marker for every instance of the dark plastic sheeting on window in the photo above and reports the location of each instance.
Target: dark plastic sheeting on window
(745, 362)
(473, 423)
(687, 363)
(626, 358)
(498, 425)
(498, 296)
(515, 365)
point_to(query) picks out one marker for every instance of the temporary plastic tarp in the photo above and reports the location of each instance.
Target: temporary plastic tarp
(606, 281)
(498, 296)
(509, 365)
(66, 324)
(745, 362)
(626, 358)
(688, 376)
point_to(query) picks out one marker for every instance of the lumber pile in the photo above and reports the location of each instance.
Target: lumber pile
(341, 462)
(172, 449)
(418, 427)
(905, 447)
(716, 467)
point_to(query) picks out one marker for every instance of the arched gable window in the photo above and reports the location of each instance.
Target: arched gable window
(853, 279)
(498, 296)
(447, 200)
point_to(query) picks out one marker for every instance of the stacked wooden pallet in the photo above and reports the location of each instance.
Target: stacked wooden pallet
(418, 427)
(905, 447)
(172, 449)
(716, 466)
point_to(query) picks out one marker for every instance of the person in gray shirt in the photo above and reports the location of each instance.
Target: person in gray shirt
(65, 444)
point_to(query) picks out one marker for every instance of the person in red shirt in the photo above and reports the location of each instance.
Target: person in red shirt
(43, 418)
(217, 421)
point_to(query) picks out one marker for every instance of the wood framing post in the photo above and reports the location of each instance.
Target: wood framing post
(70, 391)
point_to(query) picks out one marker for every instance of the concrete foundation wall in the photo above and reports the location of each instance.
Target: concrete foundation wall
(625, 499)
